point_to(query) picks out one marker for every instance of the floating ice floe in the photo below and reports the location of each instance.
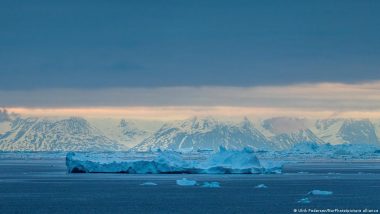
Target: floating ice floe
(261, 186)
(222, 162)
(186, 182)
(304, 201)
(213, 184)
(320, 192)
(148, 184)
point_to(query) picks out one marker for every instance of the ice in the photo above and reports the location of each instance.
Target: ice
(186, 182)
(232, 161)
(350, 151)
(304, 201)
(213, 184)
(222, 162)
(261, 186)
(320, 192)
(148, 184)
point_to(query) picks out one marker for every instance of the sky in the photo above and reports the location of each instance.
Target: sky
(179, 57)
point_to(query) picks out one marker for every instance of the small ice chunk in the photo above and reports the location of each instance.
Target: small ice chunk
(186, 182)
(333, 173)
(304, 201)
(261, 186)
(320, 192)
(213, 184)
(148, 184)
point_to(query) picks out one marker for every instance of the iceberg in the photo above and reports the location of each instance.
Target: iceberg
(342, 151)
(186, 182)
(320, 192)
(213, 184)
(304, 201)
(261, 186)
(170, 162)
(148, 184)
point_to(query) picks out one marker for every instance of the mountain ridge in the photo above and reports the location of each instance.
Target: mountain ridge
(74, 133)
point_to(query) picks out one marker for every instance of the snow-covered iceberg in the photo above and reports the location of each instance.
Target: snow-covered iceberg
(222, 162)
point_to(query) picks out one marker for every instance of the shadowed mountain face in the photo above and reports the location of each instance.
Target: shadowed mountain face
(78, 134)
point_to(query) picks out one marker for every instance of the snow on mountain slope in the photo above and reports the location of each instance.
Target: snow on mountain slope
(358, 131)
(287, 140)
(286, 132)
(5, 126)
(72, 134)
(38, 134)
(338, 131)
(328, 130)
(127, 132)
(206, 133)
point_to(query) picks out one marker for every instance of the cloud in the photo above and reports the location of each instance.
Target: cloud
(324, 96)
(302, 100)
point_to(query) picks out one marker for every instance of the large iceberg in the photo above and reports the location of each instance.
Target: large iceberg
(222, 162)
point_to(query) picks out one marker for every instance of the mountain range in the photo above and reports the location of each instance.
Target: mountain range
(79, 134)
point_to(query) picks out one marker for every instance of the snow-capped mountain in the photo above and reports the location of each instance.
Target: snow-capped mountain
(129, 133)
(338, 131)
(286, 132)
(358, 131)
(79, 134)
(287, 140)
(206, 133)
(72, 134)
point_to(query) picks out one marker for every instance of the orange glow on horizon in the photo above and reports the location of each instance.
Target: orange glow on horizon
(179, 112)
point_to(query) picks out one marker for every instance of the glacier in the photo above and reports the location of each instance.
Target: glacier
(169, 162)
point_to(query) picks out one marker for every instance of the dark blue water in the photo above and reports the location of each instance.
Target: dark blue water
(42, 186)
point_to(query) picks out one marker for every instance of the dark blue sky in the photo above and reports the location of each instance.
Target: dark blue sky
(97, 44)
